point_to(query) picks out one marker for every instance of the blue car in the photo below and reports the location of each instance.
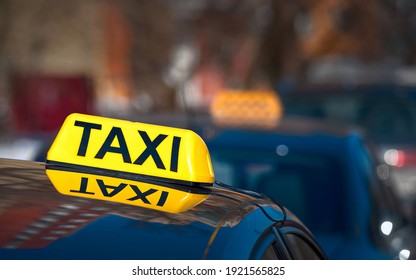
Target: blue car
(118, 190)
(386, 111)
(326, 175)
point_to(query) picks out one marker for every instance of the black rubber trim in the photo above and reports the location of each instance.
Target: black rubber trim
(187, 186)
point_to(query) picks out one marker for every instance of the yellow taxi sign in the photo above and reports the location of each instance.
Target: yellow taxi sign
(152, 196)
(246, 108)
(147, 158)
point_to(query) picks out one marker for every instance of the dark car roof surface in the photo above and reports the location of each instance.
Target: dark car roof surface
(42, 223)
(386, 111)
(379, 90)
(289, 126)
(203, 123)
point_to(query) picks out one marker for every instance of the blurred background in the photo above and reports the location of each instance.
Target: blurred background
(135, 59)
(128, 57)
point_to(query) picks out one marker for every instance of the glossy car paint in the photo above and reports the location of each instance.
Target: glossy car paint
(39, 223)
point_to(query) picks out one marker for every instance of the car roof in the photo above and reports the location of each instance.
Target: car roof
(34, 215)
(287, 124)
(298, 130)
(378, 89)
(294, 126)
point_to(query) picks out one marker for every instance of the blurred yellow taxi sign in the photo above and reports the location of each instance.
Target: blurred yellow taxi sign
(246, 108)
(147, 165)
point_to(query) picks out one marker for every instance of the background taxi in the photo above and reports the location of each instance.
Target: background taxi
(327, 176)
(326, 173)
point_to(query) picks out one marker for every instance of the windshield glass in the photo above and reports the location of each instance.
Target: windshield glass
(387, 120)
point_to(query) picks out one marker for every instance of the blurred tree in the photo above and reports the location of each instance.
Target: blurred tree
(153, 31)
(306, 31)
(399, 29)
(4, 29)
(4, 22)
(342, 27)
(278, 55)
(227, 36)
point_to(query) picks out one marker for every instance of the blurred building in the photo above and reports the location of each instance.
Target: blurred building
(45, 40)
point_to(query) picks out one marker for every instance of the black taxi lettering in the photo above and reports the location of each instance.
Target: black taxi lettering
(151, 149)
(111, 191)
(122, 148)
(115, 132)
(82, 150)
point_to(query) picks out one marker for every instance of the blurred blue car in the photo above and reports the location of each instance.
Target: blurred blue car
(327, 176)
(386, 111)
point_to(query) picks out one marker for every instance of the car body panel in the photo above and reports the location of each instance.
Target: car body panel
(37, 222)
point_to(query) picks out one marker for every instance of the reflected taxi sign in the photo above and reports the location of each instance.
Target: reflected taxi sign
(246, 108)
(147, 165)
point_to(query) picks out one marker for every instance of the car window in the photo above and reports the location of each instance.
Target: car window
(300, 181)
(387, 119)
(343, 108)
